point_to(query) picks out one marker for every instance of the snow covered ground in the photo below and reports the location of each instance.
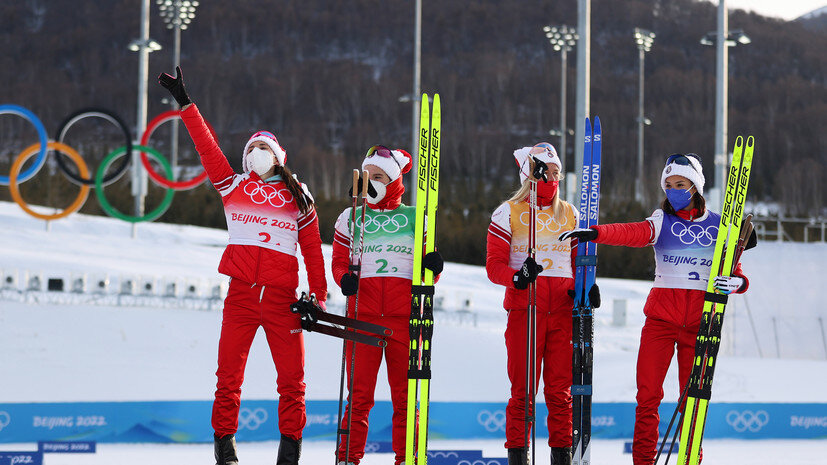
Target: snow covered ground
(77, 351)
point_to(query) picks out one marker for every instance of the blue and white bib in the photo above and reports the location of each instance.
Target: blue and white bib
(684, 249)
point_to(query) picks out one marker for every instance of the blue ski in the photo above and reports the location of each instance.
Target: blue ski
(582, 313)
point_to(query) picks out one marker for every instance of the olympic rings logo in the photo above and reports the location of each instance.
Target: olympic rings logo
(260, 193)
(251, 419)
(82, 175)
(492, 421)
(479, 462)
(445, 454)
(371, 447)
(695, 233)
(747, 420)
(546, 222)
(5, 419)
(387, 223)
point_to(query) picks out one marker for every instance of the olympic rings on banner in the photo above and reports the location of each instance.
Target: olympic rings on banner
(109, 209)
(88, 113)
(155, 176)
(14, 181)
(41, 135)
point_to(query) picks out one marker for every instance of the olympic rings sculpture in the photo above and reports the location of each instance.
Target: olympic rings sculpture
(98, 178)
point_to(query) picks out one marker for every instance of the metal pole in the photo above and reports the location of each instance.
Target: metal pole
(176, 61)
(139, 179)
(583, 85)
(416, 94)
(563, 61)
(721, 103)
(639, 180)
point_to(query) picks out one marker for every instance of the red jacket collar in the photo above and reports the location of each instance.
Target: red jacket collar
(689, 215)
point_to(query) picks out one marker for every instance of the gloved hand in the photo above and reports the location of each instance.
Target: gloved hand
(175, 86)
(349, 284)
(433, 261)
(728, 284)
(540, 170)
(594, 295)
(527, 273)
(371, 189)
(581, 234)
(307, 310)
(752, 240)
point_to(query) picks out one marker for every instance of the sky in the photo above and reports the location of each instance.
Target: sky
(788, 9)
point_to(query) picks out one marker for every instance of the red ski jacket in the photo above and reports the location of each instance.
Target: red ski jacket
(264, 223)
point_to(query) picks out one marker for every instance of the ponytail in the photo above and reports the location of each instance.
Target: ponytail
(303, 200)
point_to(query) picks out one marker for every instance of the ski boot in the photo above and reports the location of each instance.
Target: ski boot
(289, 451)
(225, 451)
(517, 456)
(561, 456)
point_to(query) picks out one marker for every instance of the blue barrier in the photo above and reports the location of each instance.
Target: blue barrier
(21, 458)
(189, 421)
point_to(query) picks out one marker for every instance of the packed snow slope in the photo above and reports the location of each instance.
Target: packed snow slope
(79, 350)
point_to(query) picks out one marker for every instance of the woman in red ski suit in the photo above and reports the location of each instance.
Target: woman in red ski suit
(384, 295)
(508, 264)
(269, 213)
(683, 233)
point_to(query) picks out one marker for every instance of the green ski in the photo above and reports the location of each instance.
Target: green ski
(422, 293)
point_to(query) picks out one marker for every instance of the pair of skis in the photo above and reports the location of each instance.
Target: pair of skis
(338, 325)
(732, 238)
(422, 293)
(582, 312)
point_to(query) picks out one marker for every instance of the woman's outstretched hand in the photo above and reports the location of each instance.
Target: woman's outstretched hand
(583, 234)
(175, 86)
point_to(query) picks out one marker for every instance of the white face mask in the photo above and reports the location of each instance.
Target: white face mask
(381, 190)
(260, 161)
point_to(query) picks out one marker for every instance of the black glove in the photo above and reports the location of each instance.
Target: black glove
(581, 234)
(594, 296)
(434, 262)
(752, 240)
(527, 273)
(175, 86)
(371, 189)
(307, 310)
(349, 284)
(540, 170)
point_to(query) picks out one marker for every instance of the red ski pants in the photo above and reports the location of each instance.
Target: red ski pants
(245, 309)
(658, 340)
(366, 370)
(554, 352)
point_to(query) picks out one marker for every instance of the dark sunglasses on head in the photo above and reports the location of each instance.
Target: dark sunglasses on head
(381, 151)
(543, 145)
(682, 159)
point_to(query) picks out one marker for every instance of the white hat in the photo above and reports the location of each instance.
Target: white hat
(549, 156)
(269, 139)
(393, 162)
(686, 165)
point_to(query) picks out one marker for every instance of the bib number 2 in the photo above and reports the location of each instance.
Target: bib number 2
(383, 267)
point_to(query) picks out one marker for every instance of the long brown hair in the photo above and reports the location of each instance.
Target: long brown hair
(303, 201)
(697, 201)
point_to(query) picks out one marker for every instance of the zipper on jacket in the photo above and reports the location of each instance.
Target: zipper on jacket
(258, 265)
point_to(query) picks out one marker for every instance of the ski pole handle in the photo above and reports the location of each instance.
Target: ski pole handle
(355, 189)
(365, 183)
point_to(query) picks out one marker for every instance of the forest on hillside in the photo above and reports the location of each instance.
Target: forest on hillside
(327, 76)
